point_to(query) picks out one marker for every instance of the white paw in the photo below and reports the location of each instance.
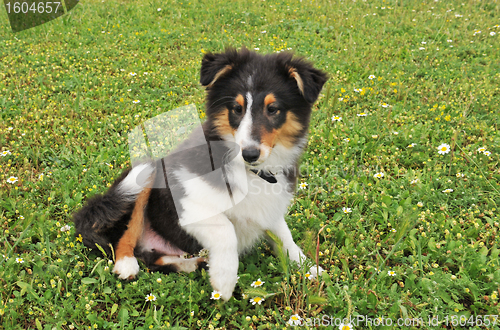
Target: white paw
(126, 268)
(223, 276)
(316, 271)
(224, 285)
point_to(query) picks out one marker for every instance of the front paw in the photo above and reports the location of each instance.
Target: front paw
(224, 283)
(223, 271)
(126, 268)
(315, 271)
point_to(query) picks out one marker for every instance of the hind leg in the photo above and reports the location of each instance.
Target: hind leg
(168, 264)
(126, 266)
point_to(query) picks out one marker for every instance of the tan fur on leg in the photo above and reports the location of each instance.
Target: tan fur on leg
(127, 243)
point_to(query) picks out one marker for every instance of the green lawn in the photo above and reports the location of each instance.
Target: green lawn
(419, 242)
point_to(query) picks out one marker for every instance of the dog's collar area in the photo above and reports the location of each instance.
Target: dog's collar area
(268, 176)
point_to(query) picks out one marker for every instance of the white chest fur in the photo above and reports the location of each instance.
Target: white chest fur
(264, 204)
(252, 207)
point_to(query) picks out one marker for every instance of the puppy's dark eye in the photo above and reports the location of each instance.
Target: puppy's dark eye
(238, 109)
(272, 110)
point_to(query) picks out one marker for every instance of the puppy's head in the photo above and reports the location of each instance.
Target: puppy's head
(260, 101)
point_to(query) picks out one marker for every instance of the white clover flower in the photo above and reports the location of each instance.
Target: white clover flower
(136, 101)
(65, 228)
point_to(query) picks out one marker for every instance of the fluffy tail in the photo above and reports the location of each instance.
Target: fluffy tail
(104, 218)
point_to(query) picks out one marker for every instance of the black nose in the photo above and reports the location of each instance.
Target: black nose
(250, 155)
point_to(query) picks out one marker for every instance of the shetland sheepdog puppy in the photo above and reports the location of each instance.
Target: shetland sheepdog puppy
(223, 194)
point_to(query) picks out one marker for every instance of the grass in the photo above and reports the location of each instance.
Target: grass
(394, 247)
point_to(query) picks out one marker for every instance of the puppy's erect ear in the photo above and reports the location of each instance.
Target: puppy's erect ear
(309, 80)
(214, 66)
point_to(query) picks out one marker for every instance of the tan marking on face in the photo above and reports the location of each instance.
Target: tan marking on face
(240, 100)
(285, 134)
(221, 123)
(269, 138)
(296, 76)
(270, 98)
(223, 71)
